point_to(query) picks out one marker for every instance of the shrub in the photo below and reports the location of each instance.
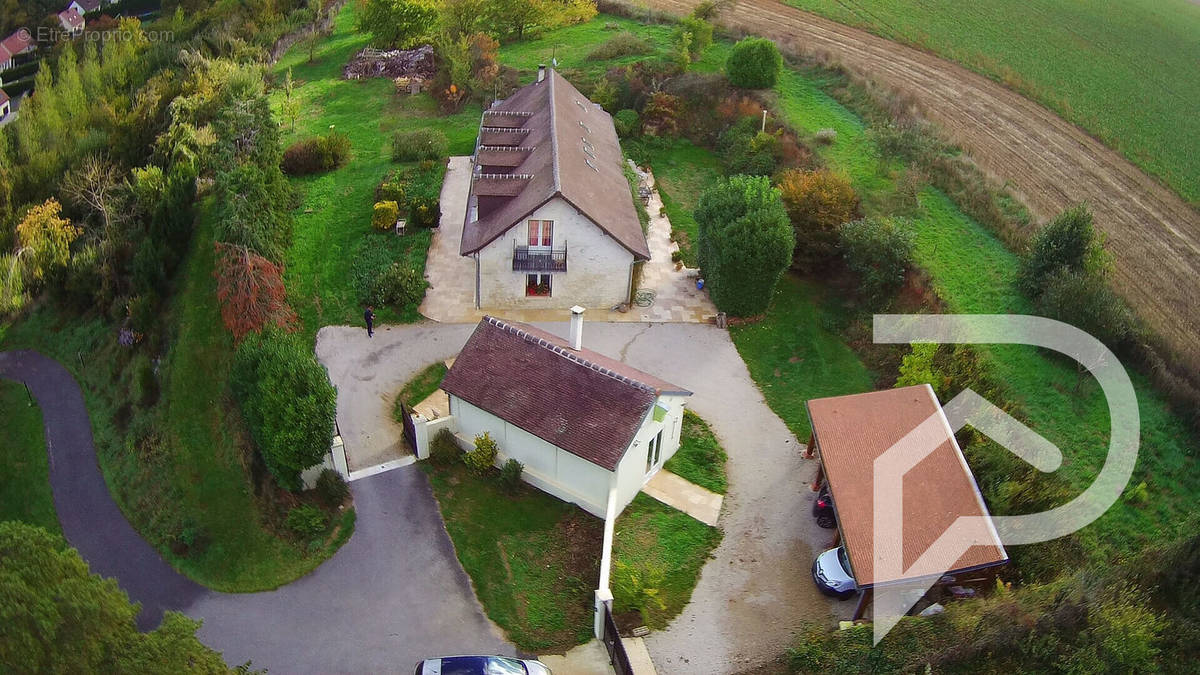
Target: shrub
(397, 286)
(419, 144)
(624, 43)
(825, 136)
(316, 154)
(385, 216)
(444, 450)
(879, 251)
(660, 117)
(307, 521)
(747, 150)
(701, 33)
(483, 457)
(423, 189)
(332, 488)
(1066, 243)
(250, 291)
(1087, 302)
(286, 400)
(754, 63)
(627, 123)
(817, 202)
(745, 243)
(510, 475)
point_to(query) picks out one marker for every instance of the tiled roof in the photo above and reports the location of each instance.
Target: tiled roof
(569, 147)
(70, 17)
(17, 42)
(851, 432)
(581, 401)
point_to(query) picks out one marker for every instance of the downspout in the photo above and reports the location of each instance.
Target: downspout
(604, 594)
(477, 273)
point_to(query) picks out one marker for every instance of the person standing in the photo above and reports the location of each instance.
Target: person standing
(369, 317)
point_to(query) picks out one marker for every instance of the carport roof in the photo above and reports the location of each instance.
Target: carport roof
(851, 432)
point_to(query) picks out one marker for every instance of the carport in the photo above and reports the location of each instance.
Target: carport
(901, 439)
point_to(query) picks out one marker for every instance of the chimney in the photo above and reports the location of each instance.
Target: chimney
(576, 328)
(541, 72)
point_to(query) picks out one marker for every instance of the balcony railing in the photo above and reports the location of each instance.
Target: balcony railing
(526, 259)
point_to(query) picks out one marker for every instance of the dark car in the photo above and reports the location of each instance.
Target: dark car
(831, 574)
(823, 508)
(481, 665)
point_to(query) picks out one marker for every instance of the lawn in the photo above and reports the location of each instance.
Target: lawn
(25, 482)
(420, 387)
(1126, 72)
(333, 236)
(700, 458)
(572, 45)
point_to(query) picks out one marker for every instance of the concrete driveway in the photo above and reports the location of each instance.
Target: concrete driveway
(757, 590)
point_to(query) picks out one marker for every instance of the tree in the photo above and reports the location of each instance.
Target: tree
(817, 203)
(700, 34)
(59, 617)
(879, 251)
(745, 243)
(287, 401)
(1085, 301)
(1066, 243)
(457, 18)
(754, 63)
(95, 186)
(253, 210)
(398, 23)
(47, 237)
(512, 19)
(251, 291)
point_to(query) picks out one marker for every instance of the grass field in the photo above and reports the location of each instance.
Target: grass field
(333, 223)
(25, 482)
(1126, 72)
(700, 458)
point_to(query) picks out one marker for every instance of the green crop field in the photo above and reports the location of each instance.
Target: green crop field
(1124, 71)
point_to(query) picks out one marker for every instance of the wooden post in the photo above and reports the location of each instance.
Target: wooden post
(810, 450)
(820, 477)
(863, 597)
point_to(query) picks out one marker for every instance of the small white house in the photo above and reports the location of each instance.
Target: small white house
(5, 105)
(550, 217)
(20, 42)
(84, 6)
(583, 424)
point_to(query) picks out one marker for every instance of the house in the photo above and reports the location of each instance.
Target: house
(588, 428)
(550, 217)
(84, 6)
(18, 43)
(5, 105)
(71, 20)
(934, 486)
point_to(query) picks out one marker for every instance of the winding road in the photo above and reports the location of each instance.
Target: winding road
(393, 595)
(1052, 164)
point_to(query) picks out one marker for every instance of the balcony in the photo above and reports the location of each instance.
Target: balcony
(526, 259)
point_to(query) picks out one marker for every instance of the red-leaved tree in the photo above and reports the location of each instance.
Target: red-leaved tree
(250, 290)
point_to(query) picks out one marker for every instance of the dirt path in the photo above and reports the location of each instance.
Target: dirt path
(1052, 164)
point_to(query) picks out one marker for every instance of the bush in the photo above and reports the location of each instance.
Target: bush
(624, 43)
(748, 150)
(385, 216)
(879, 251)
(660, 117)
(313, 155)
(754, 63)
(817, 202)
(1087, 302)
(307, 521)
(444, 450)
(627, 123)
(419, 144)
(701, 33)
(397, 286)
(332, 488)
(510, 475)
(825, 136)
(286, 400)
(1067, 243)
(483, 457)
(745, 243)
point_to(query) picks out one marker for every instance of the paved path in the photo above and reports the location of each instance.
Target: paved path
(756, 591)
(676, 492)
(394, 594)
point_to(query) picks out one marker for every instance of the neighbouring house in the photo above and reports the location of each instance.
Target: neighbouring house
(901, 436)
(5, 105)
(14, 45)
(71, 20)
(84, 6)
(588, 428)
(550, 217)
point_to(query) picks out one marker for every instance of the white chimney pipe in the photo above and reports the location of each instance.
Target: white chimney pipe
(541, 72)
(576, 328)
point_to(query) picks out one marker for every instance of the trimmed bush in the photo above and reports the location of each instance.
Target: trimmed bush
(754, 63)
(307, 521)
(444, 450)
(286, 400)
(397, 286)
(622, 44)
(332, 487)
(817, 203)
(510, 475)
(879, 251)
(745, 243)
(385, 216)
(483, 457)
(419, 144)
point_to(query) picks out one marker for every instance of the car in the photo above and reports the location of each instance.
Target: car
(831, 574)
(481, 665)
(823, 508)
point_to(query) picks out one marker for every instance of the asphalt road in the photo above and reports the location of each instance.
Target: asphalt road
(393, 595)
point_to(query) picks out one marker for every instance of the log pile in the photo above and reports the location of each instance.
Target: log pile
(414, 64)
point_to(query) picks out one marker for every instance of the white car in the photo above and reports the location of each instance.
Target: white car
(831, 573)
(481, 665)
